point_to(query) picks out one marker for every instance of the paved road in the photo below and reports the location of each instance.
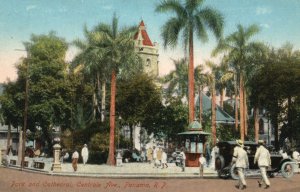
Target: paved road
(15, 180)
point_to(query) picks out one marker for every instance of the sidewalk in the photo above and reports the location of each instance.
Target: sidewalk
(134, 170)
(127, 170)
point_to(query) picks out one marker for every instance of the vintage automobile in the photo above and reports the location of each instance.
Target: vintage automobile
(226, 169)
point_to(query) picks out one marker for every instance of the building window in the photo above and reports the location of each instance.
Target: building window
(261, 127)
(148, 62)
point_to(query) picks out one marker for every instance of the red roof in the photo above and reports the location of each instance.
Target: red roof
(146, 39)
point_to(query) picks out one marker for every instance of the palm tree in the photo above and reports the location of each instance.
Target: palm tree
(117, 48)
(211, 77)
(177, 79)
(239, 50)
(201, 81)
(191, 18)
(94, 65)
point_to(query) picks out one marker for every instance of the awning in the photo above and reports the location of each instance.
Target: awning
(194, 133)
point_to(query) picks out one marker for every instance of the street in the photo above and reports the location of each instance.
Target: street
(16, 180)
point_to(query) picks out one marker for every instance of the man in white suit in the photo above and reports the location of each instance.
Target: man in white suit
(240, 158)
(262, 156)
(84, 154)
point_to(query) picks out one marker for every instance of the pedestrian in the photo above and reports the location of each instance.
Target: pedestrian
(154, 156)
(164, 159)
(202, 162)
(159, 156)
(240, 158)
(149, 154)
(84, 154)
(183, 158)
(207, 153)
(263, 158)
(75, 157)
(296, 155)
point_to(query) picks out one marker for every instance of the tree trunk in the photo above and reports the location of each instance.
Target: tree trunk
(274, 120)
(289, 115)
(103, 100)
(191, 78)
(112, 116)
(256, 123)
(236, 105)
(94, 104)
(213, 116)
(245, 113)
(221, 98)
(131, 136)
(242, 124)
(200, 105)
(8, 138)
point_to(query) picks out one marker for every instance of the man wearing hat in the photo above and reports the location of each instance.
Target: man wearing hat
(262, 156)
(240, 158)
(84, 154)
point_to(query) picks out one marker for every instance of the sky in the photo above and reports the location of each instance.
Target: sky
(279, 21)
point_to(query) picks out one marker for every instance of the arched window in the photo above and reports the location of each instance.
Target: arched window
(148, 62)
(261, 127)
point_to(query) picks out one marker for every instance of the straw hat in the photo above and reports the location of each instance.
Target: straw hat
(261, 142)
(239, 142)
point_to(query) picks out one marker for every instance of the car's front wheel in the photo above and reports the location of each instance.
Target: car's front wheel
(287, 169)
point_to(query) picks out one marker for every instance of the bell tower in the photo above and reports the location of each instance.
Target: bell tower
(147, 50)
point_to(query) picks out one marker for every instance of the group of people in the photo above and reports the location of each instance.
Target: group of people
(262, 157)
(157, 156)
(84, 155)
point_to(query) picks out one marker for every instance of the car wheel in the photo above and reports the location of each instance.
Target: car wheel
(233, 172)
(287, 169)
(219, 162)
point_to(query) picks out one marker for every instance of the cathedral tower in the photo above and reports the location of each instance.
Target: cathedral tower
(147, 50)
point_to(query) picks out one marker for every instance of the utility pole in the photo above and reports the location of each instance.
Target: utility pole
(25, 116)
(25, 109)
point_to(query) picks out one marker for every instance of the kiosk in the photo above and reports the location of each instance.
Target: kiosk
(194, 141)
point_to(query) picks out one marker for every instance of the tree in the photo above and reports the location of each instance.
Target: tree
(167, 121)
(191, 18)
(201, 81)
(118, 50)
(95, 65)
(138, 98)
(48, 96)
(177, 80)
(275, 87)
(239, 50)
(212, 88)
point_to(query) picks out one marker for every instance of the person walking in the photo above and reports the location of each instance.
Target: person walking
(183, 158)
(202, 162)
(263, 158)
(240, 158)
(159, 154)
(84, 154)
(149, 154)
(164, 159)
(154, 156)
(75, 157)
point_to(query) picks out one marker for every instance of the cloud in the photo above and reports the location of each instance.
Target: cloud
(263, 10)
(30, 7)
(265, 25)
